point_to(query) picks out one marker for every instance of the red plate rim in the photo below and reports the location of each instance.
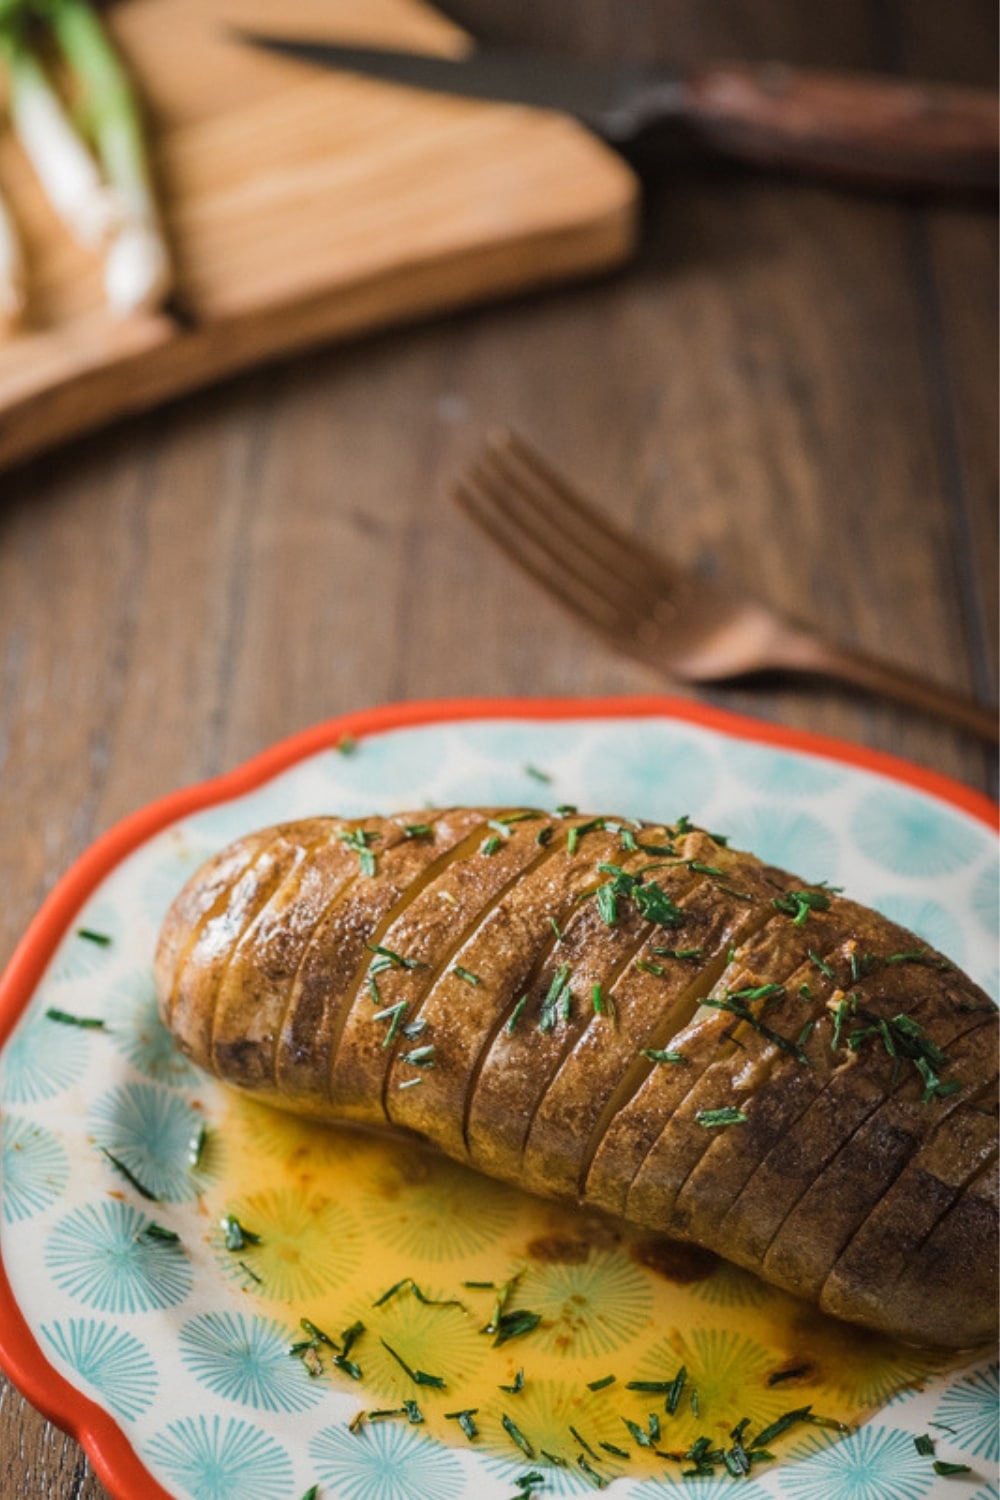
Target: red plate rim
(109, 1449)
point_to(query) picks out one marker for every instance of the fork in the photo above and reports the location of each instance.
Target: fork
(649, 607)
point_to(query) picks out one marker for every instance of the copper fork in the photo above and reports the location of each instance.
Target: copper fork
(693, 628)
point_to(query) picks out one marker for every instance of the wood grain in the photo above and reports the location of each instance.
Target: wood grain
(300, 205)
(792, 387)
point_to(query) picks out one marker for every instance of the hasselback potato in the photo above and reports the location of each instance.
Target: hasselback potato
(631, 1016)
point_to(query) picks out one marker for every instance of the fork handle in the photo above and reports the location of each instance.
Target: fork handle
(880, 131)
(807, 653)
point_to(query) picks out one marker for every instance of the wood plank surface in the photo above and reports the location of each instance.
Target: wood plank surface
(792, 387)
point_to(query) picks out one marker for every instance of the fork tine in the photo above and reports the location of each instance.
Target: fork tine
(525, 505)
(607, 544)
(484, 508)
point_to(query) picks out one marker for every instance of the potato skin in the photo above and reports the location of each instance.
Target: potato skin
(629, 1016)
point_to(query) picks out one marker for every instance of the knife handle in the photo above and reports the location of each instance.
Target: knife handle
(846, 126)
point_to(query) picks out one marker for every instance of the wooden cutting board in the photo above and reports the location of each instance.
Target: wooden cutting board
(301, 206)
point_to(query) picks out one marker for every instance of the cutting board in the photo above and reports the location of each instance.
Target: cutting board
(301, 206)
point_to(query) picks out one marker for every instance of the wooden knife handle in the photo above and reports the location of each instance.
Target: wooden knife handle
(848, 126)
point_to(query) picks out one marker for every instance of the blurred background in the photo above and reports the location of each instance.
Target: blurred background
(788, 385)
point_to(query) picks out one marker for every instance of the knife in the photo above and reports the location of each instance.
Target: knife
(853, 127)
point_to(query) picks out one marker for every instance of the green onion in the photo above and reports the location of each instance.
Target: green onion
(517, 1387)
(511, 1427)
(599, 1385)
(418, 831)
(582, 1441)
(86, 1023)
(464, 1420)
(419, 1377)
(89, 935)
(657, 1055)
(490, 846)
(465, 974)
(712, 1118)
(120, 1166)
(516, 1014)
(237, 1235)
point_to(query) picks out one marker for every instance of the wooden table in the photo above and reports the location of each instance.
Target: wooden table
(792, 387)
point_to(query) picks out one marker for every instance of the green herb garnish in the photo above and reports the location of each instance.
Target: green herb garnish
(419, 1377)
(465, 974)
(237, 1235)
(517, 1387)
(90, 936)
(940, 1467)
(419, 1057)
(388, 959)
(712, 1118)
(557, 999)
(513, 1324)
(676, 1390)
(408, 1284)
(544, 836)
(924, 1445)
(490, 846)
(86, 1023)
(517, 1436)
(798, 904)
(612, 1448)
(537, 775)
(658, 1055)
(681, 953)
(157, 1233)
(394, 1015)
(120, 1166)
(464, 1420)
(418, 831)
(359, 840)
(599, 1385)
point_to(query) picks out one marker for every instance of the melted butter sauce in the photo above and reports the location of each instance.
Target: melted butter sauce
(343, 1216)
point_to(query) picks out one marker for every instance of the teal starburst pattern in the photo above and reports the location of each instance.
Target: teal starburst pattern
(308, 1244)
(246, 1360)
(874, 1463)
(652, 772)
(98, 1255)
(928, 919)
(151, 1130)
(787, 837)
(215, 1459)
(909, 835)
(587, 1309)
(436, 1210)
(969, 1410)
(545, 1411)
(385, 1461)
(136, 1031)
(34, 1168)
(985, 900)
(110, 1359)
(732, 1286)
(780, 772)
(43, 1059)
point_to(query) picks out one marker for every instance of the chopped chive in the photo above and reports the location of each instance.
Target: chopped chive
(582, 1441)
(597, 1480)
(412, 1029)
(647, 968)
(781, 1425)
(612, 1448)
(490, 846)
(805, 1033)
(526, 815)
(312, 1493)
(658, 1055)
(90, 936)
(535, 1481)
(385, 1412)
(410, 1083)
(805, 992)
(599, 1385)
(821, 964)
(513, 1324)
(700, 869)
(544, 836)
(555, 928)
(556, 1000)
(681, 953)
(516, 1014)
(86, 1023)
(157, 1232)
(537, 775)
(418, 831)
(798, 904)
(940, 1467)
(676, 1391)
(639, 1434)
(394, 1015)
(419, 1057)
(517, 1387)
(413, 1412)
(924, 1445)
(653, 1426)
(628, 841)
(395, 960)
(359, 840)
(419, 1377)
(711, 1118)
(408, 1284)
(566, 809)
(465, 974)
(651, 1387)
(237, 1235)
(464, 1420)
(517, 1436)
(120, 1166)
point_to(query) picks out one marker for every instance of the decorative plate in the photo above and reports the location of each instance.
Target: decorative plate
(126, 1318)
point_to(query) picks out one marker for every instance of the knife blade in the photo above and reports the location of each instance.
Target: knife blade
(851, 127)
